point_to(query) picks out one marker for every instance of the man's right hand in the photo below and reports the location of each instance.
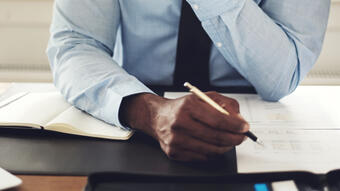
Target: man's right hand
(187, 128)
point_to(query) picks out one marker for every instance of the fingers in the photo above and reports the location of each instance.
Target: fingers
(190, 129)
(227, 103)
(200, 120)
(209, 116)
(183, 147)
(213, 136)
(182, 155)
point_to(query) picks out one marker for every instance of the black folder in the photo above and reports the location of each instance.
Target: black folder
(304, 181)
(38, 152)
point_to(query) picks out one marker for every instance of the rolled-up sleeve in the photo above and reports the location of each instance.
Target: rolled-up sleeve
(80, 51)
(271, 43)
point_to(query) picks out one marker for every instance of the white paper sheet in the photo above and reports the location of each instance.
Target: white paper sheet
(284, 186)
(8, 180)
(300, 132)
(288, 149)
(306, 108)
(293, 111)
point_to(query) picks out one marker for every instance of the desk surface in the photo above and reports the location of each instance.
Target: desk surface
(48, 183)
(51, 183)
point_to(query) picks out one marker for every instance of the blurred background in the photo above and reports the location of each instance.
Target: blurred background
(24, 32)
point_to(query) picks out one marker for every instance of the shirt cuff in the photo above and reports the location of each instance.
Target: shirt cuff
(207, 9)
(110, 111)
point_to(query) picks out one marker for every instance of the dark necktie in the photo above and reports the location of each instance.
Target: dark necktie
(193, 51)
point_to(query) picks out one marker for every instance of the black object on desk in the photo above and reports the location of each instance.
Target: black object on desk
(132, 182)
(304, 181)
(37, 152)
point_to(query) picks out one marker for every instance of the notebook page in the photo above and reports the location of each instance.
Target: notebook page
(34, 108)
(84, 122)
(290, 149)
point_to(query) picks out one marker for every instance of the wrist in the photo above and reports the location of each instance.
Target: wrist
(137, 111)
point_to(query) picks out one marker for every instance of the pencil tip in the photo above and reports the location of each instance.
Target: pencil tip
(260, 142)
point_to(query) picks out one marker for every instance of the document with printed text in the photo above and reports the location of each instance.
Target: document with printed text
(290, 150)
(300, 132)
(304, 109)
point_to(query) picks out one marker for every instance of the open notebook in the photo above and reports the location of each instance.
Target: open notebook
(51, 112)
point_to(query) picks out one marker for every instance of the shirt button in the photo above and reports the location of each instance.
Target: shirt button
(195, 6)
(219, 45)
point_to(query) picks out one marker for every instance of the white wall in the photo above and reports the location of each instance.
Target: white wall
(24, 32)
(24, 26)
(327, 69)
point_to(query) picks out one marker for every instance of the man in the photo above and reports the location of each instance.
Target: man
(269, 45)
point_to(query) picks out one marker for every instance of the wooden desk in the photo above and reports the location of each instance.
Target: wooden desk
(51, 183)
(48, 183)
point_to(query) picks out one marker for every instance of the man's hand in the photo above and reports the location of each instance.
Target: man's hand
(187, 128)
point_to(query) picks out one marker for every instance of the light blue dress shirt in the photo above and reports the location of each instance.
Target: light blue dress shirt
(103, 50)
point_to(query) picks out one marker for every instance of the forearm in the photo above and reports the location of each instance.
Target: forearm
(272, 46)
(259, 50)
(89, 78)
(80, 53)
